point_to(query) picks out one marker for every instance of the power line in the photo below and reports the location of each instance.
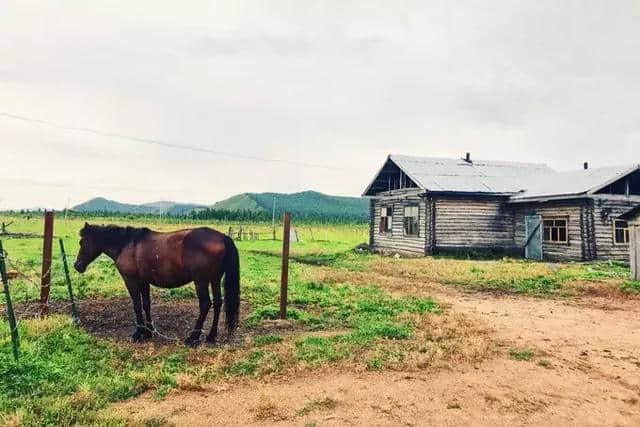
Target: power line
(169, 144)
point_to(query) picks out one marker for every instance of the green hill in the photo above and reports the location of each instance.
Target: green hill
(239, 202)
(248, 206)
(100, 204)
(307, 204)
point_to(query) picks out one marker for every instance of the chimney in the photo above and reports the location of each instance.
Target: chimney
(467, 158)
(586, 165)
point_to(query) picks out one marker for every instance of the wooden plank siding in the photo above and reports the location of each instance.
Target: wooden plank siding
(397, 241)
(605, 211)
(571, 210)
(472, 223)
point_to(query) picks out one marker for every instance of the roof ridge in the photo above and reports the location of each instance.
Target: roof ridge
(461, 159)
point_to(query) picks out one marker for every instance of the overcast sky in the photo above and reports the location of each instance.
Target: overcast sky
(331, 83)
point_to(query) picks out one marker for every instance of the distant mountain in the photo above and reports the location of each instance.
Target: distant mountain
(100, 204)
(308, 204)
(311, 204)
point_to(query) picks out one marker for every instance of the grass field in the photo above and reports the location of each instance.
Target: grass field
(347, 308)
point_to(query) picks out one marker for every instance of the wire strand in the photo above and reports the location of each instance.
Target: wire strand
(166, 144)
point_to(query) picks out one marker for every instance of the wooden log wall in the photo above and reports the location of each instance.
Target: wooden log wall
(473, 223)
(372, 222)
(605, 211)
(430, 238)
(634, 235)
(572, 210)
(396, 241)
(587, 231)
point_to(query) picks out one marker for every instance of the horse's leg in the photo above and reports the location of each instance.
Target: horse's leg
(145, 291)
(217, 303)
(204, 303)
(134, 291)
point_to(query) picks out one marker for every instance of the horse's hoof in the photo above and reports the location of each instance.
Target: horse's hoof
(142, 334)
(137, 337)
(210, 340)
(192, 341)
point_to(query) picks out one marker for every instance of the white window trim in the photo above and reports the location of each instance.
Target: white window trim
(613, 224)
(555, 218)
(390, 231)
(417, 217)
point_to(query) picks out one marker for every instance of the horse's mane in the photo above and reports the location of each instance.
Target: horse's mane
(115, 235)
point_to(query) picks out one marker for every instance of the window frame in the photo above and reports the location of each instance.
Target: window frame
(388, 220)
(415, 223)
(615, 234)
(555, 226)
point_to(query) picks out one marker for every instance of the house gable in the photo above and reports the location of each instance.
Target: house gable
(390, 177)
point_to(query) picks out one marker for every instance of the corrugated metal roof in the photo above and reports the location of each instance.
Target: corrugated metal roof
(479, 176)
(523, 181)
(573, 183)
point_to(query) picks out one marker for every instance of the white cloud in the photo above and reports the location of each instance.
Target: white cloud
(330, 82)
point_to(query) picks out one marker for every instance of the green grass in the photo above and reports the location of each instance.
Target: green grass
(511, 275)
(521, 354)
(263, 340)
(65, 375)
(631, 286)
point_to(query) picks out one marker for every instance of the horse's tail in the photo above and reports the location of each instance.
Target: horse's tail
(231, 267)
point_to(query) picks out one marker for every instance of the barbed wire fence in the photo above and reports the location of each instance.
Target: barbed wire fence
(16, 314)
(30, 282)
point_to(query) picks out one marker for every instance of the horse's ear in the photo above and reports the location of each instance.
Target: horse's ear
(86, 224)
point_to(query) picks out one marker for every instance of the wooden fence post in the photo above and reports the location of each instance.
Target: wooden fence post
(284, 277)
(45, 282)
(65, 266)
(15, 339)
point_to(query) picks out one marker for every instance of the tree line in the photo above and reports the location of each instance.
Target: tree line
(206, 214)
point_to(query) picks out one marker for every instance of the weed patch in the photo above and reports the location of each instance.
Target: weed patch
(318, 405)
(632, 286)
(521, 354)
(262, 340)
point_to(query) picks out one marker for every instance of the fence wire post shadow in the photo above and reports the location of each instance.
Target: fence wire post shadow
(65, 266)
(15, 339)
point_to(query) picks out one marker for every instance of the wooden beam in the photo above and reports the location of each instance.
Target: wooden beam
(627, 187)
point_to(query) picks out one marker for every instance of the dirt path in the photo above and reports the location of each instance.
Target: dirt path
(586, 371)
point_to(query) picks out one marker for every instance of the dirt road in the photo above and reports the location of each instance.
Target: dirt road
(585, 370)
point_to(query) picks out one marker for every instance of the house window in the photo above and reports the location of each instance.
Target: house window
(620, 232)
(555, 230)
(386, 219)
(411, 224)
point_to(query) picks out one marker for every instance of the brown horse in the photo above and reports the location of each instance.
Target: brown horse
(169, 260)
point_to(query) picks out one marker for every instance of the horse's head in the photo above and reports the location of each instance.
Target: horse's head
(90, 247)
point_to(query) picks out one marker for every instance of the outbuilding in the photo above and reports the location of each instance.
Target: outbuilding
(423, 205)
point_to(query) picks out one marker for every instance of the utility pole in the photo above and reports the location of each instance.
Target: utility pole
(273, 215)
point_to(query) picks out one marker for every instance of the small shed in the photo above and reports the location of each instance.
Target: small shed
(633, 219)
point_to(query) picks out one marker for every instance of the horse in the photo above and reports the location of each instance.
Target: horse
(169, 260)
